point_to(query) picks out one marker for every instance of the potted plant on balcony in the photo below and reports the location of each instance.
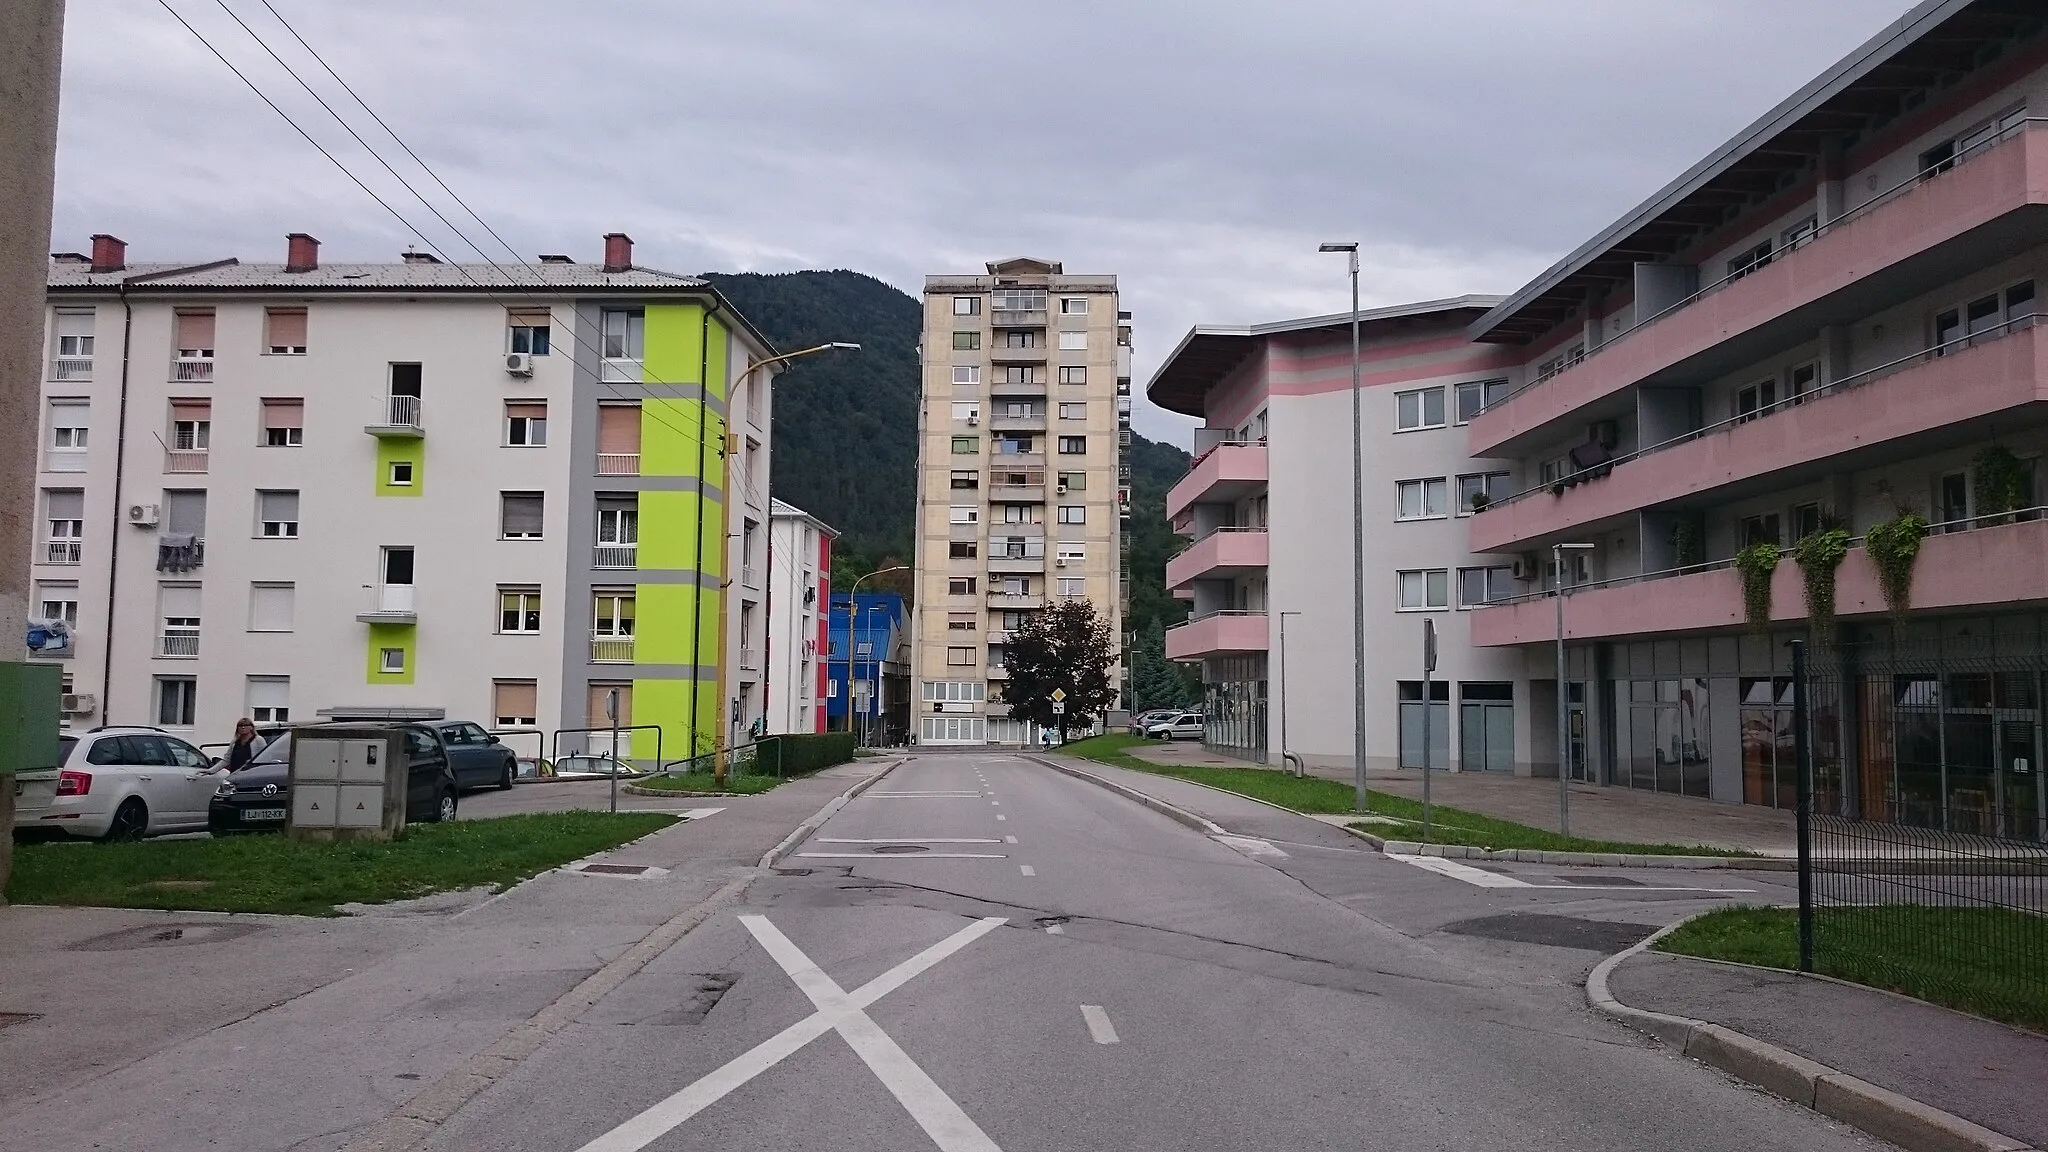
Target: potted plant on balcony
(1818, 555)
(1755, 564)
(1480, 501)
(1893, 547)
(1687, 549)
(2002, 482)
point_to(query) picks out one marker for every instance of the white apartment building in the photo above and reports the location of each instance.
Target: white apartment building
(1267, 505)
(1021, 490)
(415, 489)
(799, 591)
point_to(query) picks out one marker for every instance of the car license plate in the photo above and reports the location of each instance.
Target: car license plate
(262, 813)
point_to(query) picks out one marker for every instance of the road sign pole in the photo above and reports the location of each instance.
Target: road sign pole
(1428, 717)
(611, 711)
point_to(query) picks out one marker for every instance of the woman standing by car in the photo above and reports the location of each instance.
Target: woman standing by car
(247, 744)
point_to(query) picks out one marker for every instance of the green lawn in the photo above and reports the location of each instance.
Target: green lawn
(273, 873)
(1989, 961)
(704, 782)
(1311, 794)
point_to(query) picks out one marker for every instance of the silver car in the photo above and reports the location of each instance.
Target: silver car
(1180, 726)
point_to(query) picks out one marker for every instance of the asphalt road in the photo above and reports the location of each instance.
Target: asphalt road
(981, 953)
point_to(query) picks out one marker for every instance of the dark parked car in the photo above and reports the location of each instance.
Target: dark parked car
(258, 798)
(479, 760)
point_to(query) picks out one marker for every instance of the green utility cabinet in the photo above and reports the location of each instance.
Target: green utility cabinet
(29, 696)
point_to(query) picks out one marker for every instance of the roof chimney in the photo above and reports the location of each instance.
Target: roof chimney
(109, 253)
(301, 253)
(618, 252)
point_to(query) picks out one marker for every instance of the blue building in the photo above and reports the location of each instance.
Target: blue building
(876, 627)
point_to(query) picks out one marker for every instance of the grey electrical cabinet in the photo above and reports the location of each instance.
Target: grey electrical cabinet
(348, 783)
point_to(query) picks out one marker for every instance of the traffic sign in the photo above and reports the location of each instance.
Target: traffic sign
(1059, 694)
(1059, 709)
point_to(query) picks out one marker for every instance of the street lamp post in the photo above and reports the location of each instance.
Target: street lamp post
(1357, 549)
(1564, 757)
(1283, 688)
(873, 678)
(853, 608)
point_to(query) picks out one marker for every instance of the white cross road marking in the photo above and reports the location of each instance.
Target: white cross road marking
(1055, 930)
(1099, 1026)
(901, 856)
(700, 813)
(1009, 839)
(664, 1116)
(1250, 846)
(1027, 869)
(908, 840)
(1481, 878)
(1000, 816)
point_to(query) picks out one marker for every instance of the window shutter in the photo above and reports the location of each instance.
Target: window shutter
(279, 505)
(270, 607)
(195, 331)
(284, 413)
(519, 697)
(65, 504)
(287, 327)
(618, 429)
(595, 716)
(526, 411)
(191, 409)
(180, 599)
(185, 512)
(528, 318)
(523, 514)
(74, 323)
(269, 692)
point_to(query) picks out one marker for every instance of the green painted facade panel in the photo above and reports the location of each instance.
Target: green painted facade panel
(401, 636)
(393, 451)
(664, 628)
(668, 704)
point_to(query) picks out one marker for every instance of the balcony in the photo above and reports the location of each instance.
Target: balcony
(1217, 634)
(1034, 318)
(1992, 374)
(1984, 562)
(998, 672)
(1222, 553)
(610, 648)
(178, 644)
(749, 577)
(1016, 494)
(67, 369)
(390, 604)
(64, 460)
(615, 556)
(398, 418)
(750, 659)
(1224, 474)
(1015, 460)
(998, 423)
(184, 460)
(618, 463)
(1881, 253)
(63, 551)
(1002, 601)
(999, 386)
(192, 369)
(1016, 565)
(1009, 355)
(621, 370)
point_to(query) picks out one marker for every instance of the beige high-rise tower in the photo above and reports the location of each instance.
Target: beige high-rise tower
(1022, 492)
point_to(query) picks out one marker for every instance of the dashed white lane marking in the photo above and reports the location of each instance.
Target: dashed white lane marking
(1000, 816)
(902, 856)
(1055, 930)
(1027, 869)
(836, 1010)
(1250, 846)
(908, 840)
(1099, 1026)
(699, 813)
(1009, 839)
(995, 803)
(923, 795)
(1481, 878)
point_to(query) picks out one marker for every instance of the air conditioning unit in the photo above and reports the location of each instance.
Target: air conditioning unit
(973, 421)
(1063, 489)
(1528, 567)
(78, 704)
(1060, 563)
(519, 363)
(145, 515)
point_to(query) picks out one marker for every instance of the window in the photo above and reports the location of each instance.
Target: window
(966, 445)
(518, 609)
(1478, 586)
(966, 375)
(966, 341)
(1073, 411)
(269, 699)
(1952, 500)
(391, 660)
(1756, 400)
(965, 480)
(1412, 719)
(1743, 263)
(1073, 552)
(2019, 300)
(406, 379)
(1073, 481)
(1425, 590)
(1938, 159)
(1073, 341)
(1422, 499)
(1476, 396)
(960, 586)
(1423, 408)
(966, 410)
(285, 331)
(1479, 490)
(57, 601)
(962, 621)
(966, 305)
(73, 359)
(618, 523)
(952, 691)
(612, 614)
(1073, 305)
(270, 607)
(69, 428)
(961, 549)
(1073, 513)
(526, 423)
(191, 425)
(1020, 514)
(192, 343)
(1764, 529)
(1073, 445)
(1019, 300)
(527, 331)
(401, 474)
(185, 512)
(1486, 726)
(1023, 338)
(1799, 380)
(965, 514)
(177, 701)
(521, 514)
(284, 423)
(277, 514)
(1800, 234)
(960, 657)
(623, 333)
(1073, 586)
(1073, 374)
(1020, 374)
(1806, 520)
(514, 704)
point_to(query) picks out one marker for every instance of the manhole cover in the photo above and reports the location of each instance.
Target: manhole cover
(1556, 931)
(164, 936)
(7, 1018)
(899, 849)
(616, 869)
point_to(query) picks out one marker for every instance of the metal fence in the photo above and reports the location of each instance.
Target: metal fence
(1922, 821)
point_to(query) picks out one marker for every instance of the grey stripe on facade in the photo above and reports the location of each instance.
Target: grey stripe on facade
(701, 672)
(703, 580)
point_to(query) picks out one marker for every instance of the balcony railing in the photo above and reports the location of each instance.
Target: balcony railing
(402, 411)
(1869, 375)
(618, 463)
(610, 648)
(192, 369)
(184, 459)
(620, 370)
(1858, 212)
(615, 556)
(749, 658)
(1034, 318)
(68, 368)
(181, 644)
(64, 460)
(63, 551)
(748, 577)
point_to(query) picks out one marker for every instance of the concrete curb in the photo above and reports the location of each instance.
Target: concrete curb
(1883, 1113)
(809, 826)
(637, 790)
(1179, 815)
(1597, 859)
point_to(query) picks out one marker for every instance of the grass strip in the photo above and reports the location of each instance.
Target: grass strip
(749, 785)
(1318, 796)
(274, 873)
(1991, 962)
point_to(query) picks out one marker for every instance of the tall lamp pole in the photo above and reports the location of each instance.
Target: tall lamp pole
(1358, 803)
(1564, 739)
(873, 679)
(853, 608)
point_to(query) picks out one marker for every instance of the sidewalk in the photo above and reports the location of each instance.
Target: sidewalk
(1986, 1073)
(1597, 813)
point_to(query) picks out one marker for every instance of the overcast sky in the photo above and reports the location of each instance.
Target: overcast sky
(1197, 149)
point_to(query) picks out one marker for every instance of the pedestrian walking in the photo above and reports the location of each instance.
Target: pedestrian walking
(247, 744)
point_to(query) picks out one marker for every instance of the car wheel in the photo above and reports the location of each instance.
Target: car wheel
(444, 810)
(130, 821)
(505, 779)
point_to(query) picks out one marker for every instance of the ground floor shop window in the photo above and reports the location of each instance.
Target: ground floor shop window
(1486, 727)
(1411, 692)
(1234, 707)
(1668, 747)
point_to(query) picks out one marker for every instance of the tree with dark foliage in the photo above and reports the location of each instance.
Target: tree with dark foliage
(1068, 647)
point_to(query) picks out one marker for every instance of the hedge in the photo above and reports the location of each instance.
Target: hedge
(798, 754)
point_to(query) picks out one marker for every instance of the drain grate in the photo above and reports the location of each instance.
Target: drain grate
(792, 871)
(1556, 931)
(616, 869)
(7, 1018)
(900, 849)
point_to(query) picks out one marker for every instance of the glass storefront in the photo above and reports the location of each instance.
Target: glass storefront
(1234, 707)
